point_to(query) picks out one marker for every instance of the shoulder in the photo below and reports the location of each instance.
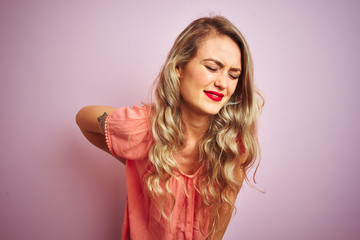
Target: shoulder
(134, 113)
(128, 132)
(240, 144)
(239, 168)
(127, 120)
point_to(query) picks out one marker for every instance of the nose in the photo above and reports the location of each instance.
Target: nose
(221, 80)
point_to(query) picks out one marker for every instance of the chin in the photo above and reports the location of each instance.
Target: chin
(212, 111)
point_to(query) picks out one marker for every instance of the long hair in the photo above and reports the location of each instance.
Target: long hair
(232, 132)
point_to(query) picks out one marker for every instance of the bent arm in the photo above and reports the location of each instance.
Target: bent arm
(91, 121)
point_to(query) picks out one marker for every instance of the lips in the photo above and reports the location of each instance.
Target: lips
(215, 96)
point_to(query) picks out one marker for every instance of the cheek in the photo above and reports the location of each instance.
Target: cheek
(193, 82)
(199, 76)
(232, 86)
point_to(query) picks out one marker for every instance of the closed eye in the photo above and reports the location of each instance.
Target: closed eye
(234, 77)
(211, 69)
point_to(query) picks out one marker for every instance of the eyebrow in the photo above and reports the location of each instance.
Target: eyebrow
(221, 64)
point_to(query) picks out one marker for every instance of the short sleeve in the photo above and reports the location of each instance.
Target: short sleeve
(127, 132)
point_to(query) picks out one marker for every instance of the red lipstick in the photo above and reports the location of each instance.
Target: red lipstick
(217, 97)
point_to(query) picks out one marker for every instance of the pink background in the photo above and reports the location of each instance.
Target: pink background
(57, 56)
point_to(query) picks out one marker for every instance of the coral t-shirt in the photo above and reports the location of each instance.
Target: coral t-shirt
(127, 134)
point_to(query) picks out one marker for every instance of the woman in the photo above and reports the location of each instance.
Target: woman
(186, 154)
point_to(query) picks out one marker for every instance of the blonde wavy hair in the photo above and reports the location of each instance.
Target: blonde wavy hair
(232, 132)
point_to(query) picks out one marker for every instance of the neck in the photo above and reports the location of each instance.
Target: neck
(196, 125)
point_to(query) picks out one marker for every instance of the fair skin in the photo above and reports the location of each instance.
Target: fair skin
(207, 82)
(215, 68)
(91, 120)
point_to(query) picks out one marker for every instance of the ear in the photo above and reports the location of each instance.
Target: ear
(178, 70)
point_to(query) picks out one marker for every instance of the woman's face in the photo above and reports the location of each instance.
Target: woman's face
(209, 79)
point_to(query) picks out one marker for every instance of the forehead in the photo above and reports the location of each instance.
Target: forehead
(222, 48)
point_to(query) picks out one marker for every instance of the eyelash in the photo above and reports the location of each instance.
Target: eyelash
(211, 69)
(214, 70)
(233, 77)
